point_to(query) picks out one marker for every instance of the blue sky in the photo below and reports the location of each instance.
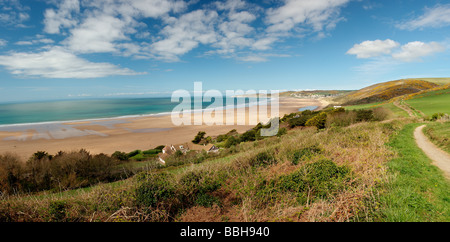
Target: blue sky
(142, 48)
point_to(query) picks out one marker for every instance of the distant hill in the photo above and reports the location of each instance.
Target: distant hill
(439, 81)
(314, 93)
(386, 91)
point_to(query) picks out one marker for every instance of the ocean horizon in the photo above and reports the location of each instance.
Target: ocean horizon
(51, 111)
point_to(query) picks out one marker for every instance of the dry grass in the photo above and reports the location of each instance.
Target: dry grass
(245, 193)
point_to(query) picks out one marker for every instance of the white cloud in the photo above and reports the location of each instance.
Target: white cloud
(13, 13)
(104, 25)
(97, 34)
(234, 30)
(253, 58)
(3, 42)
(261, 57)
(38, 40)
(414, 51)
(58, 63)
(438, 16)
(368, 49)
(318, 14)
(113, 26)
(185, 33)
(63, 17)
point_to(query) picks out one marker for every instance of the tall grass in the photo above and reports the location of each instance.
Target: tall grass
(305, 175)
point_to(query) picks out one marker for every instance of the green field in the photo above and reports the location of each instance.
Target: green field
(432, 102)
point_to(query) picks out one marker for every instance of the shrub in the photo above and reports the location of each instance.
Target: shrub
(138, 157)
(281, 132)
(151, 152)
(11, 172)
(305, 153)
(318, 121)
(221, 138)
(380, 114)
(263, 159)
(206, 200)
(133, 153)
(364, 115)
(199, 137)
(231, 141)
(299, 121)
(160, 148)
(121, 156)
(156, 189)
(437, 116)
(341, 119)
(248, 136)
(315, 180)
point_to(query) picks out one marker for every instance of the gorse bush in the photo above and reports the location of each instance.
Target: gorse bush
(315, 180)
(317, 121)
(364, 115)
(262, 159)
(165, 193)
(156, 189)
(305, 154)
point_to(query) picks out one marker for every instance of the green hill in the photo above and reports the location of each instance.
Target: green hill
(385, 91)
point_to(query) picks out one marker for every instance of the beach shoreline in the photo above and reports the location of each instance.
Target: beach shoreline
(123, 133)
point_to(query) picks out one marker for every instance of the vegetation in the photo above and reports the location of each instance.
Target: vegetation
(337, 164)
(385, 91)
(299, 176)
(439, 134)
(199, 137)
(416, 190)
(431, 103)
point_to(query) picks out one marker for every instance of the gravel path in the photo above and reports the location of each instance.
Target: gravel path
(440, 158)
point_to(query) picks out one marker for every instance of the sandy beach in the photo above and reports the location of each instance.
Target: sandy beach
(121, 134)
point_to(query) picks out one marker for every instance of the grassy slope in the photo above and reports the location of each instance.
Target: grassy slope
(417, 190)
(439, 133)
(439, 81)
(242, 196)
(384, 91)
(411, 188)
(432, 102)
(397, 112)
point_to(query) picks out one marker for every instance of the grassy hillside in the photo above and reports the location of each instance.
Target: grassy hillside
(439, 81)
(396, 111)
(385, 91)
(432, 102)
(305, 175)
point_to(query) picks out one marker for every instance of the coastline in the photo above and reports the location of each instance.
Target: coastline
(126, 133)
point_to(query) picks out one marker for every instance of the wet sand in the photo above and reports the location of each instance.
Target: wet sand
(122, 134)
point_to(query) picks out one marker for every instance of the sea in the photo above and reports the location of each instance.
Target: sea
(92, 109)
